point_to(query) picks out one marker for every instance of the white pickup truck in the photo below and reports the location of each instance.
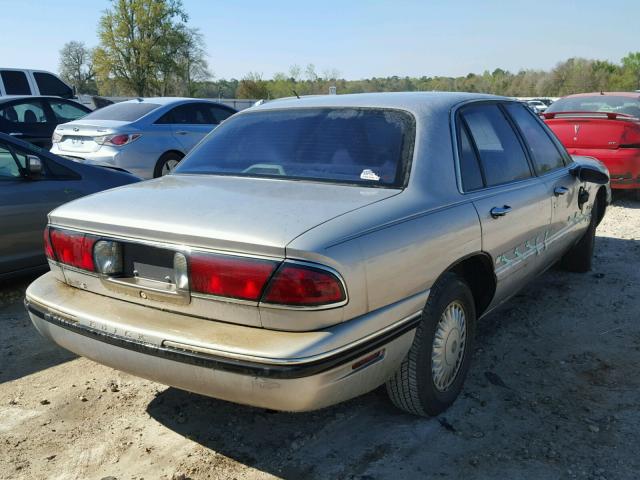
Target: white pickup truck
(19, 81)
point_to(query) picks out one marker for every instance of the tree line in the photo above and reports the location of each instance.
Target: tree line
(146, 48)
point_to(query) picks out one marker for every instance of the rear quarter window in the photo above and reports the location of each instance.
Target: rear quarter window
(51, 85)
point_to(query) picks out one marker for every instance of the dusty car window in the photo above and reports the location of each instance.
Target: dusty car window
(344, 145)
(544, 153)
(469, 166)
(501, 155)
(124, 112)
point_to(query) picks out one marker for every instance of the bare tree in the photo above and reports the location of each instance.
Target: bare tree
(193, 62)
(310, 72)
(76, 66)
(295, 72)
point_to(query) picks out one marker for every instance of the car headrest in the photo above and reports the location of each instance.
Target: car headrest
(30, 117)
(10, 114)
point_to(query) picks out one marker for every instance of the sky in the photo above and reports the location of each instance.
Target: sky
(358, 38)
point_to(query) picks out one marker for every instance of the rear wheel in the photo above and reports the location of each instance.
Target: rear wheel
(430, 378)
(167, 163)
(580, 257)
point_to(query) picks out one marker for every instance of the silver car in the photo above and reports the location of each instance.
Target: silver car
(147, 136)
(310, 250)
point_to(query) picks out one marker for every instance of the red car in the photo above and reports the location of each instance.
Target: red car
(603, 125)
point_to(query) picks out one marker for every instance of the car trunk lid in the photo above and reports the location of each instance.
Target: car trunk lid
(248, 215)
(601, 130)
(79, 137)
(158, 222)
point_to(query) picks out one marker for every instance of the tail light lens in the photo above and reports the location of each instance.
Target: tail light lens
(56, 137)
(252, 279)
(48, 248)
(228, 276)
(71, 248)
(304, 286)
(630, 136)
(117, 140)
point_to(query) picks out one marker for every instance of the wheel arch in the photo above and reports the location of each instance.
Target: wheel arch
(172, 150)
(156, 167)
(476, 269)
(601, 198)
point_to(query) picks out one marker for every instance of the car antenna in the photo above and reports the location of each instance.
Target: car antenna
(296, 94)
(140, 99)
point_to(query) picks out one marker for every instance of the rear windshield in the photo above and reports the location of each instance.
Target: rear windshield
(124, 112)
(598, 103)
(343, 145)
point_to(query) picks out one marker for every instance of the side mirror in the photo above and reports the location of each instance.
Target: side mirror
(587, 173)
(34, 165)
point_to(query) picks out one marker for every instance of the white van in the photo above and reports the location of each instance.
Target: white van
(19, 81)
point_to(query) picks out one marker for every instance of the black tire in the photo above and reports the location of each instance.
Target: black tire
(163, 160)
(578, 259)
(412, 388)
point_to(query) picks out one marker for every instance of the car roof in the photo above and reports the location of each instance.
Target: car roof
(167, 100)
(415, 102)
(8, 98)
(617, 94)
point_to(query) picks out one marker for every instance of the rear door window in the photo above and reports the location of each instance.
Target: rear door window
(546, 157)
(51, 85)
(15, 82)
(219, 114)
(502, 156)
(188, 114)
(28, 112)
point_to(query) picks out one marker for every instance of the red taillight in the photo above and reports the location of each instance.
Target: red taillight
(117, 140)
(48, 249)
(303, 286)
(630, 137)
(228, 276)
(74, 249)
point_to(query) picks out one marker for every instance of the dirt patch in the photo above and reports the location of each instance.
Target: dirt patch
(552, 393)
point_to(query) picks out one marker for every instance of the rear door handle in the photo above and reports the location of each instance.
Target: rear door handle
(560, 191)
(182, 132)
(500, 211)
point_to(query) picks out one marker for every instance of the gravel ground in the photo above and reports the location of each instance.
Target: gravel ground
(552, 393)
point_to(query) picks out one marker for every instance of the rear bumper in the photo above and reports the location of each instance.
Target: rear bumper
(623, 164)
(140, 164)
(290, 381)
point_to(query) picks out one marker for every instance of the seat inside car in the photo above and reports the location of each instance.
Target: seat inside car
(30, 117)
(10, 114)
